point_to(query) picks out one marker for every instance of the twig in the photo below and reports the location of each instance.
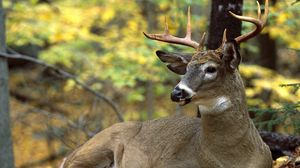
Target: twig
(66, 75)
(295, 85)
(293, 3)
(38, 102)
(290, 84)
(71, 144)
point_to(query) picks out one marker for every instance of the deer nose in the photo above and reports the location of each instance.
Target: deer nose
(178, 94)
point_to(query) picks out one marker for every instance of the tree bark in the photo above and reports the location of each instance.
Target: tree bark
(6, 145)
(220, 19)
(149, 12)
(267, 51)
(267, 48)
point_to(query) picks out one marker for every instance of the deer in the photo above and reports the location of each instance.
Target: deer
(224, 136)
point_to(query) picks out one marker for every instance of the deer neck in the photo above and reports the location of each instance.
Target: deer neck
(225, 119)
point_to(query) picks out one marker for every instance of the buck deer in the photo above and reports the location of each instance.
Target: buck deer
(224, 137)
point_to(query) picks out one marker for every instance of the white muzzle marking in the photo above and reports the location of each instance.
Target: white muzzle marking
(184, 87)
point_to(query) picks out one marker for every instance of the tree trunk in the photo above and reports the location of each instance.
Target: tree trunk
(267, 48)
(6, 149)
(267, 51)
(220, 19)
(149, 12)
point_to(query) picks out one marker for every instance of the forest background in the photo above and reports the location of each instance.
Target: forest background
(101, 43)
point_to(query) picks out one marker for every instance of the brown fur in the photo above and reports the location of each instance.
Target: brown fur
(226, 139)
(229, 140)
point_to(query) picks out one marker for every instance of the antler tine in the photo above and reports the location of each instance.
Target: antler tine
(259, 23)
(258, 10)
(224, 39)
(266, 11)
(188, 25)
(166, 37)
(201, 44)
(166, 26)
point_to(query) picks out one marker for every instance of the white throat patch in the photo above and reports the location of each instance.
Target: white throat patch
(214, 105)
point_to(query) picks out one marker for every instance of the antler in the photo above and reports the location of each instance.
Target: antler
(166, 37)
(259, 22)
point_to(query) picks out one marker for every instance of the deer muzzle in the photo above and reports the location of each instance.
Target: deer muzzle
(181, 95)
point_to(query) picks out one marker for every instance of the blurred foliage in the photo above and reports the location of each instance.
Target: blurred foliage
(263, 87)
(101, 41)
(285, 117)
(273, 98)
(284, 15)
(282, 22)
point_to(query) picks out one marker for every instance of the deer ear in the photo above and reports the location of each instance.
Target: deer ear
(176, 62)
(231, 55)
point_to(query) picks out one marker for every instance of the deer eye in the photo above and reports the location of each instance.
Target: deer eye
(211, 70)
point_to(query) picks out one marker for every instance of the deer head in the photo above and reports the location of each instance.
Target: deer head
(206, 71)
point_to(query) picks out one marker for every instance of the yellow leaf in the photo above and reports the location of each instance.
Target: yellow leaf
(108, 14)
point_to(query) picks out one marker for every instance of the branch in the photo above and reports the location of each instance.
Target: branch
(70, 124)
(290, 84)
(45, 160)
(63, 134)
(280, 144)
(293, 3)
(65, 75)
(38, 102)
